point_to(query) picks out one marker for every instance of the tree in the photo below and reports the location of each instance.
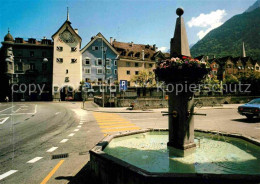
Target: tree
(145, 78)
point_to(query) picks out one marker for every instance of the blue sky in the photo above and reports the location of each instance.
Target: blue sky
(140, 21)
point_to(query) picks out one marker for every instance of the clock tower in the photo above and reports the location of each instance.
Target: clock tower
(67, 67)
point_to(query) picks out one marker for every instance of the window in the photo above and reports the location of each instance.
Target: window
(20, 53)
(146, 55)
(136, 64)
(128, 64)
(67, 79)
(99, 71)
(123, 53)
(257, 68)
(87, 61)
(136, 72)
(67, 71)
(108, 62)
(115, 62)
(131, 54)
(99, 80)
(59, 60)
(44, 66)
(73, 60)
(32, 66)
(94, 48)
(128, 72)
(87, 71)
(99, 61)
(109, 71)
(20, 66)
(31, 53)
(137, 54)
(59, 48)
(150, 65)
(44, 54)
(87, 79)
(73, 49)
(115, 71)
(229, 66)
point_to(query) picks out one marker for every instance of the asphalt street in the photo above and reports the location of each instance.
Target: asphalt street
(49, 142)
(32, 133)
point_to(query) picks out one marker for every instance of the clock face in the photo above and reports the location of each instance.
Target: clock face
(67, 37)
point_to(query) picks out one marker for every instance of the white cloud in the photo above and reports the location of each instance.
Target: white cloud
(163, 49)
(209, 21)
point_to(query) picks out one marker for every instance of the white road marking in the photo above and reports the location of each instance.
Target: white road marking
(72, 134)
(35, 110)
(7, 174)
(34, 160)
(76, 130)
(7, 109)
(4, 120)
(79, 126)
(64, 140)
(81, 123)
(17, 110)
(57, 113)
(52, 149)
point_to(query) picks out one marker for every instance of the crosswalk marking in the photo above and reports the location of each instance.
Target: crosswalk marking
(112, 123)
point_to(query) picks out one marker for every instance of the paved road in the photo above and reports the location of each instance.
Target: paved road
(31, 133)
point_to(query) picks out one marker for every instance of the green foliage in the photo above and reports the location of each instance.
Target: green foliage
(230, 79)
(227, 39)
(144, 78)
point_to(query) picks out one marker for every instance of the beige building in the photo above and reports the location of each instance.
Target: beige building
(67, 63)
(135, 58)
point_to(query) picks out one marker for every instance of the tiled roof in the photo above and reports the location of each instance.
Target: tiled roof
(134, 51)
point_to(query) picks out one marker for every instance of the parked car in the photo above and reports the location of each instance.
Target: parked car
(250, 109)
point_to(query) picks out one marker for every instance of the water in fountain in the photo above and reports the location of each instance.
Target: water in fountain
(150, 152)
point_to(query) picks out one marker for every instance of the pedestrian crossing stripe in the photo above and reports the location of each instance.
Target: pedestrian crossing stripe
(112, 123)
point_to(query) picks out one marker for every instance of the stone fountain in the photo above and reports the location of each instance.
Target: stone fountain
(176, 155)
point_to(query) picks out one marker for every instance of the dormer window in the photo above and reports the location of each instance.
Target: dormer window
(131, 54)
(137, 54)
(123, 53)
(73, 49)
(146, 55)
(73, 60)
(59, 48)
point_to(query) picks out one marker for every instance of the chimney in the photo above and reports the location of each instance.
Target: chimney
(44, 37)
(131, 44)
(114, 40)
(111, 40)
(142, 54)
(154, 47)
(76, 30)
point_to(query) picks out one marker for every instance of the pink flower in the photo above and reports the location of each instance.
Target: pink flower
(173, 60)
(186, 62)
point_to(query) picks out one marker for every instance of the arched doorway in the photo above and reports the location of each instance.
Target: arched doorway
(66, 93)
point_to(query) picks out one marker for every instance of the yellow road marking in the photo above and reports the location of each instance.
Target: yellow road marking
(111, 123)
(46, 179)
(123, 125)
(120, 129)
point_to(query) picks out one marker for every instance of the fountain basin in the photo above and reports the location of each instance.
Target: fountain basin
(143, 157)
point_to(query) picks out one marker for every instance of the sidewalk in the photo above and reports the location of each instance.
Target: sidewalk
(91, 106)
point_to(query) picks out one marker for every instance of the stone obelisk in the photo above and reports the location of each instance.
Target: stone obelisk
(181, 123)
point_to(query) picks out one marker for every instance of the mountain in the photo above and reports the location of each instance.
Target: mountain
(254, 6)
(227, 39)
(191, 45)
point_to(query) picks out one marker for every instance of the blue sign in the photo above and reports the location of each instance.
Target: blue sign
(87, 85)
(123, 85)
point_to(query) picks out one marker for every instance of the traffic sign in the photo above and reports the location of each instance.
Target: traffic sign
(123, 85)
(87, 85)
